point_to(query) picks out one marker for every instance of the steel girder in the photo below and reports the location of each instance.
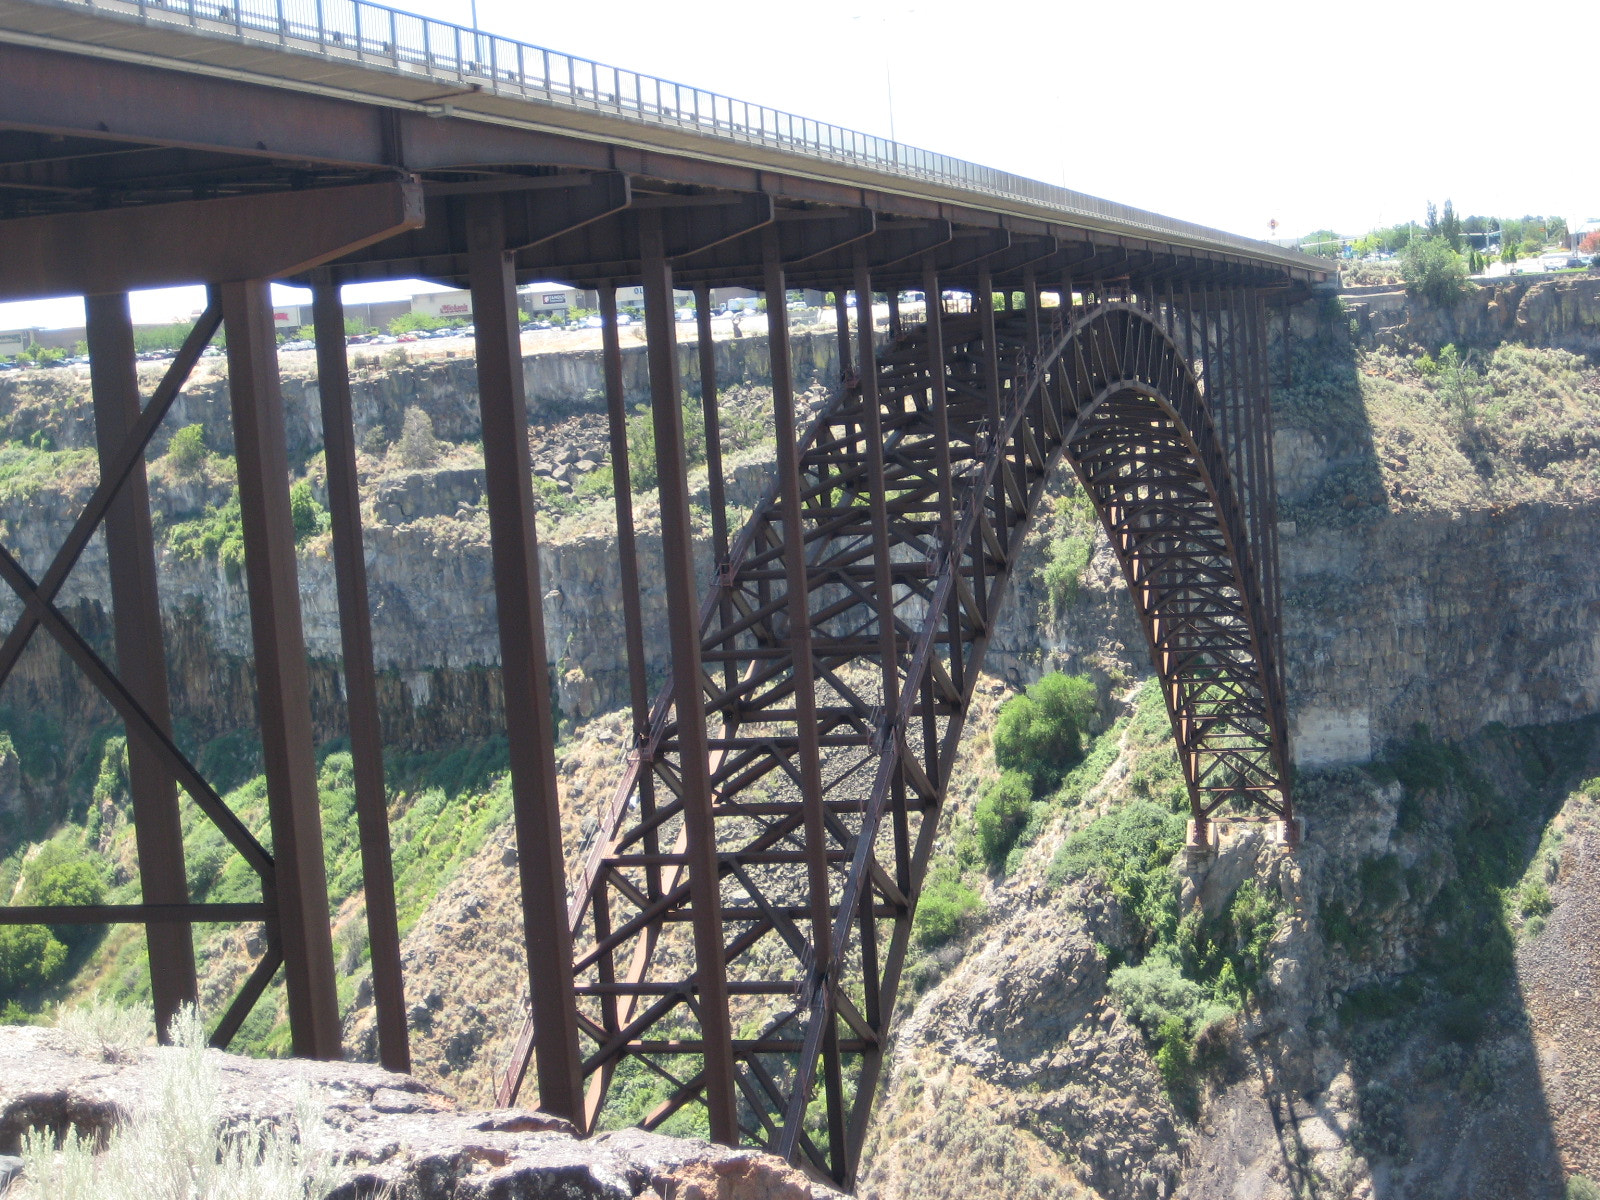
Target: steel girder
(839, 646)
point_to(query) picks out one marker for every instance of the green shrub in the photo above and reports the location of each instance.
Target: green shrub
(945, 903)
(187, 451)
(1171, 1011)
(31, 958)
(598, 484)
(1535, 899)
(642, 443)
(1380, 1122)
(1581, 1188)
(1432, 270)
(1041, 732)
(1132, 849)
(61, 874)
(1069, 557)
(218, 534)
(1229, 952)
(182, 1142)
(1156, 991)
(1175, 1058)
(1001, 813)
(307, 514)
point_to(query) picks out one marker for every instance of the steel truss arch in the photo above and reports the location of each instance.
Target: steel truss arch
(917, 487)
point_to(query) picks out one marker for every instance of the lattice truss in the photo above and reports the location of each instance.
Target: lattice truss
(834, 710)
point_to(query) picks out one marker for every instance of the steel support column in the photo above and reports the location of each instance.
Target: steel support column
(141, 655)
(282, 683)
(677, 547)
(622, 488)
(798, 593)
(525, 672)
(360, 684)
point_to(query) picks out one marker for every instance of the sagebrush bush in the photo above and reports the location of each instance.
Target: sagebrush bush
(417, 444)
(179, 1147)
(104, 1030)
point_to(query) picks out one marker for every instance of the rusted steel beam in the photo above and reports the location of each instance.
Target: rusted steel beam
(622, 487)
(889, 674)
(161, 914)
(141, 654)
(677, 545)
(804, 235)
(841, 329)
(535, 210)
(611, 248)
(360, 682)
(236, 238)
(525, 672)
(282, 683)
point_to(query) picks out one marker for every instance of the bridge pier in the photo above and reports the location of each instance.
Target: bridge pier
(141, 653)
(360, 682)
(524, 671)
(282, 686)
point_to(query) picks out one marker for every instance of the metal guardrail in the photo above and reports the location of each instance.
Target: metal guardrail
(375, 35)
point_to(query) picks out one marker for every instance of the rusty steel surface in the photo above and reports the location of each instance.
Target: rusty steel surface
(283, 692)
(141, 654)
(519, 615)
(360, 681)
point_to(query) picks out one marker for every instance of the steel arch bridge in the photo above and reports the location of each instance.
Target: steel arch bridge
(838, 650)
(740, 924)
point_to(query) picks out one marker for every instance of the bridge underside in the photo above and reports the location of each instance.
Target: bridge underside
(743, 917)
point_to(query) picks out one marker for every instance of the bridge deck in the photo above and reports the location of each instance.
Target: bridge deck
(378, 55)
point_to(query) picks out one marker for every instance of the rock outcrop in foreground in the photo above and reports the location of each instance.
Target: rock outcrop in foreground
(388, 1130)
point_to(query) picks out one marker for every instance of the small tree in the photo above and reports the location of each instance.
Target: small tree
(418, 445)
(1041, 732)
(1590, 244)
(187, 451)
(1433, 270)
(305, 511)
(1450, 226)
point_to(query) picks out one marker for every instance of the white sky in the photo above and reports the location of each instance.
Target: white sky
(1228, 113)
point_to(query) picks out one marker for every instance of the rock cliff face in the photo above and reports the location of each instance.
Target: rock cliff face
(1561, 313)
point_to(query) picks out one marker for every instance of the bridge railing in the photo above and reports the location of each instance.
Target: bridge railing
(381, 36)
